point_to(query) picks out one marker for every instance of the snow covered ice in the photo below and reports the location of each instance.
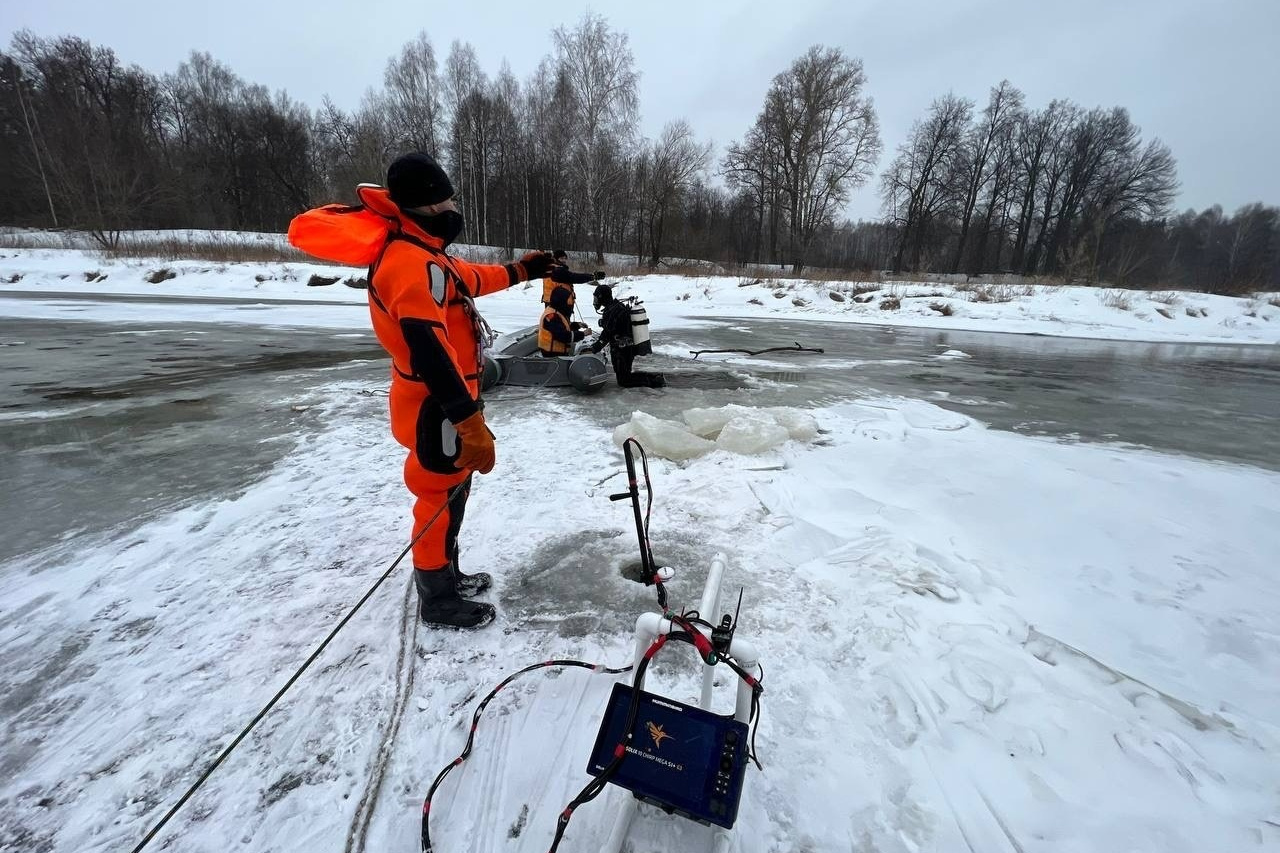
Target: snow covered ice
(972, 638)
(669, 439)
(737, 429)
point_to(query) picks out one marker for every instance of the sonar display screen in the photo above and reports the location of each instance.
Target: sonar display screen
(679, 756)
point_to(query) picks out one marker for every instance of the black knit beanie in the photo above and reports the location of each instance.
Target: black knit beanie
(416, 180)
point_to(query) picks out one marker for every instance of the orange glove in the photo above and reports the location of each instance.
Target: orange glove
(477, 453)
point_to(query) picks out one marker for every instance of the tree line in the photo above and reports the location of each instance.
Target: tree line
(558, 159)
(1061, 191)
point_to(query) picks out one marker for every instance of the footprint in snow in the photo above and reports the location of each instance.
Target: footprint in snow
(982, 682)
(898, 711)
(927, 583)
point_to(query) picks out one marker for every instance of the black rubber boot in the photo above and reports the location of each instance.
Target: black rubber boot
(439, 604)
(471, 585)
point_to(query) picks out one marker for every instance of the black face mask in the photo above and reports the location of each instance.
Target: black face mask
(446, 225)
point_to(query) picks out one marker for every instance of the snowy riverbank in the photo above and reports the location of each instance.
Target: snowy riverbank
(674, 300)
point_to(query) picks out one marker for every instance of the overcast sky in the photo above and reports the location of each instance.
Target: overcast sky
(1202, 75)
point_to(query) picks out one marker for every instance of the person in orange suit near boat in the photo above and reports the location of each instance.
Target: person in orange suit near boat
(422, 304)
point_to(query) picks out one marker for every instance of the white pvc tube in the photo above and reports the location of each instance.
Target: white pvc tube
(621, 824)
(711, 590)
(708, 609)
(648, 627)
(745, 654)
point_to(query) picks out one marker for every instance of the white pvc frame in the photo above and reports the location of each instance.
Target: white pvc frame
(648, 628)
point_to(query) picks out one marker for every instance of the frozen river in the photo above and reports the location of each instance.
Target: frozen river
(103, 423)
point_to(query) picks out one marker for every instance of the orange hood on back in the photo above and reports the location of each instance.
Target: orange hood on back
(354, 235)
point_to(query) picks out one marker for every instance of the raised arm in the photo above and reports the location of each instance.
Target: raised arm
(483, 279)
(563, 275)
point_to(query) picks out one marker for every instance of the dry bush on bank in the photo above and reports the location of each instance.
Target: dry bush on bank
(1118, 299)
(996, 292)
(213, 248)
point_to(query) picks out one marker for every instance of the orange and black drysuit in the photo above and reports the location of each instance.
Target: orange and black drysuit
(556, 332)
(420, 302)
(560, 274)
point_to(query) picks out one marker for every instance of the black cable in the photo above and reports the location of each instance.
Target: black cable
(475, 722)
(596, 785)
(648, 569)
(755, 727)
(693, 617)
(755, 716)
(293, 678)
(593, 788)
(648, 511)
(648, 502)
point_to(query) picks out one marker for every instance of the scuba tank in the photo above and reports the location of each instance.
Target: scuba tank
(639, 328)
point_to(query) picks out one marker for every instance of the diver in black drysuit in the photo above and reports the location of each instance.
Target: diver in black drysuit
(615, 333)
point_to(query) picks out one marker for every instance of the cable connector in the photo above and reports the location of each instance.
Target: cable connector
(703, 645)
(722, 635)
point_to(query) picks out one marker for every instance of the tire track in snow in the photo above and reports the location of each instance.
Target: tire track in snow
(982, 827)
(363, 818)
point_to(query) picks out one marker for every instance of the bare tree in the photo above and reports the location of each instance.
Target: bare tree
(1053, 177)
(1136, 183)
(1001, 193)
(354, 148)
(825, 129)
(551, 211)
(676, 160)
(752, 168)
(979, 156)
(508, 155)
(1092, 143)
(1039, 136)
(555, 159)
(462, 80)
(22, 161)
(413, 95)
(250, 154)
(920, 181)
(1251, 242)
(99, 132)
(596, 71)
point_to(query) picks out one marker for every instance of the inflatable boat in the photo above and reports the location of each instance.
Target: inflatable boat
(514, 360)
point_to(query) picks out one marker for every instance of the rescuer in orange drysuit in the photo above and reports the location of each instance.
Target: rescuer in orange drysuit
(561, 274)
(420, 301)
(557, 333)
